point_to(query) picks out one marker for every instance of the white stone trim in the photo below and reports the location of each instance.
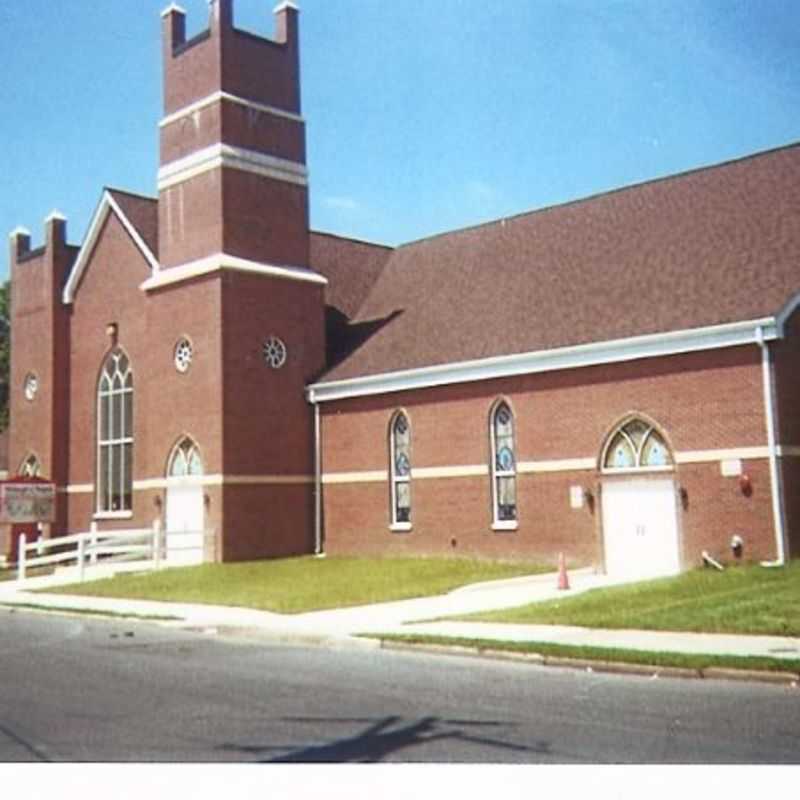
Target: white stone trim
(505, 525)
(401, 527)
(284, 5)
(557, 465)
(55, 215)
(612, 351)
(173, 7)
(19, 231)
(224, 155)
(374, 476)
(216, 97)
(587, 464)
(106, 206)
(78, 488)
(788, 451)
(468, 471)
(223, 261)
(704, 456)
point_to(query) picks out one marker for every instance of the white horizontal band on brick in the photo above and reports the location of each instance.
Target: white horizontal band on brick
(423, 473)
(585, 355)
(223, 261)
(105, 207)
(788, 451)
(224, 155)
(216, 97)
(703, 456)
(356, 477)
(202, 480)
(557, 465)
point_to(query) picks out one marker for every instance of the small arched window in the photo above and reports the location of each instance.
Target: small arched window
(636, 445)
(30, 467)
(400, 470)
(504, 466)
(185, 460)
(115, 435)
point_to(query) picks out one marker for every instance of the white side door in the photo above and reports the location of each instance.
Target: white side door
(185, 521)
(640, 528)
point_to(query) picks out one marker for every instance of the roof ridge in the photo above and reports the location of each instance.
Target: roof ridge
(604, 193)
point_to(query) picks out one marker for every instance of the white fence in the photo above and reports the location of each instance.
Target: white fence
(95, 547)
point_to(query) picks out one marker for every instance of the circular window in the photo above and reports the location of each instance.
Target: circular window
(31, 386)
(274, 352)
(183, 355)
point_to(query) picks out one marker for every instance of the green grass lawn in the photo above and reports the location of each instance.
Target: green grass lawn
(750, 599)
(303, 584)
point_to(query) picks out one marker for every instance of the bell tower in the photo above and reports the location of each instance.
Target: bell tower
(232, 177)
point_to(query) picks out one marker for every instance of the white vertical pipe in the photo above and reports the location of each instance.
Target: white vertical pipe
(769, 412)
(317, 482)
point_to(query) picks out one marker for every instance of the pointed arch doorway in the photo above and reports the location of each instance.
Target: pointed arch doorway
(185, 514)
(640, 503)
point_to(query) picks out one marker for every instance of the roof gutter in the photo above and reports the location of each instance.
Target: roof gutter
(608, 352)
(774, 474)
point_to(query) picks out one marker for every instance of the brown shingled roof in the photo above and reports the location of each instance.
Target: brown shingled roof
(142, 212)
(716, 245)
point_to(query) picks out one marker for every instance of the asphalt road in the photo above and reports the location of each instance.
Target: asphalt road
(78, 689)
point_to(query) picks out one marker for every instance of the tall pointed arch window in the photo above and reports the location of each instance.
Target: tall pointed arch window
(636, 445)
(400, 471)
(115, 435)
(504, 467)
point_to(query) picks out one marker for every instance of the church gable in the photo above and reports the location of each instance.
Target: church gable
(137, 234)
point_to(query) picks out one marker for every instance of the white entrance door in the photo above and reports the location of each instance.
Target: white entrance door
(640, 528)
(185, 505)
(185, 521)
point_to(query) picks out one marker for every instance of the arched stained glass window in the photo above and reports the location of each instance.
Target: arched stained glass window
(636, 445)
(115, 434)
(504, 464)
(30, 467)
(185, 460)
(400, 469)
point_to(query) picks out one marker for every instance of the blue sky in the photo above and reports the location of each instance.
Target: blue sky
(422, 116)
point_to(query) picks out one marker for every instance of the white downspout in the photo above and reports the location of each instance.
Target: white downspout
(769, 412)
(317, 480)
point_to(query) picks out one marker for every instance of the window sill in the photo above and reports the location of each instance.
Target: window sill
(505, 525)
(113, 515)
(400, 527)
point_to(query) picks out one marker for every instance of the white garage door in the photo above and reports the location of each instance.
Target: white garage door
(640, 528)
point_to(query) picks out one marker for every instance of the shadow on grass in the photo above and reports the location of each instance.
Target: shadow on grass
(382, 738)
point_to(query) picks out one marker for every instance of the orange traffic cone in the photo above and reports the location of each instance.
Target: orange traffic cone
(563, 580)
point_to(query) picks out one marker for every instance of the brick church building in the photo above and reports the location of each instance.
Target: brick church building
(616, 378)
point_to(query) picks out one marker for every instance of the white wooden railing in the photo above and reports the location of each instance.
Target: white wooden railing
(152, 546)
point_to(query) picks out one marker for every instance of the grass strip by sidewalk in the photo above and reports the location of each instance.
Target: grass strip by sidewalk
(741, 600)
(296, 585)
(692, 661)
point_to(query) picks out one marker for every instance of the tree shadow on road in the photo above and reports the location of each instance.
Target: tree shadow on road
(384, 737)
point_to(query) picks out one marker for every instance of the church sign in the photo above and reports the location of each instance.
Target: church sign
(27, 502)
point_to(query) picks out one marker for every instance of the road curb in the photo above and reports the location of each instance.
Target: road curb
(613, 667)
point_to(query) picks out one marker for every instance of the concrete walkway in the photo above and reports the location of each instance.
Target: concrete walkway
(340, 627)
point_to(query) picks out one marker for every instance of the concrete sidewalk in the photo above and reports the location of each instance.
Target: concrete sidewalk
(341, 627)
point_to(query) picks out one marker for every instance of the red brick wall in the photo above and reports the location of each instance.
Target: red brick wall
(701, 401)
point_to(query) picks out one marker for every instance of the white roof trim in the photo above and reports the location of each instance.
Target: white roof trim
(215, 97)
(222, 261)
(224, 155)
(284, 5)
(786, 312)
(617, 350)
(106, 206)
(55, 214)
(19, 231)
